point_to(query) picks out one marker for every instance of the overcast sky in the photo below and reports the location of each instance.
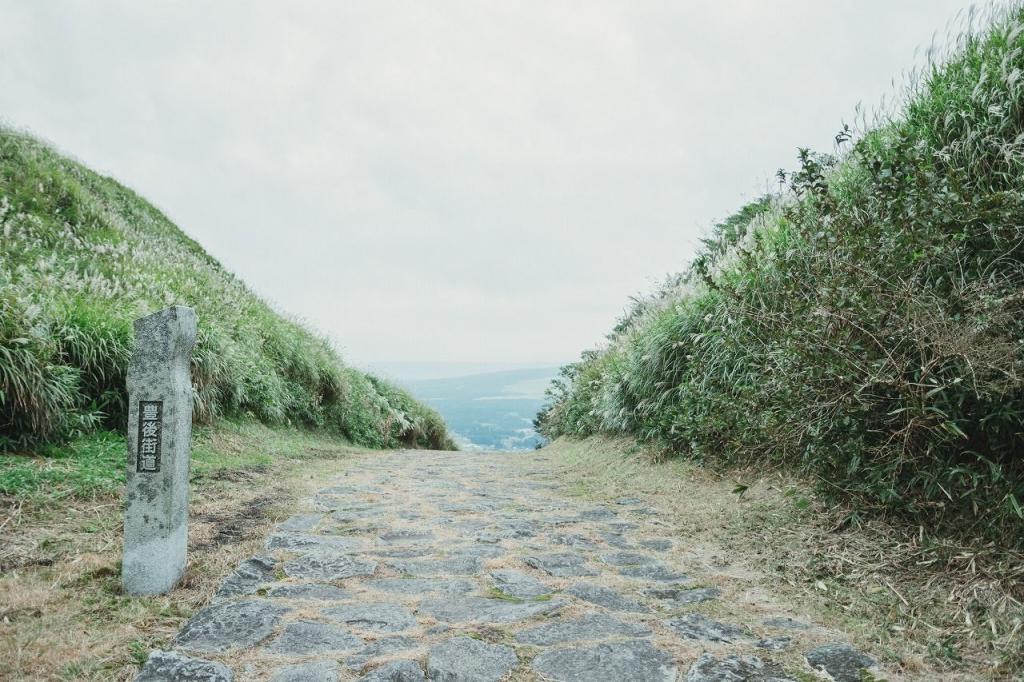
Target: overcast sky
(441, 181)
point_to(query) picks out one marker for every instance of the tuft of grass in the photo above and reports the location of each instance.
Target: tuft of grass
(91, 466)
(498, 593)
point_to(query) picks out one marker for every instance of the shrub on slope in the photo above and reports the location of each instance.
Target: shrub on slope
(81, 256)
(865, 326)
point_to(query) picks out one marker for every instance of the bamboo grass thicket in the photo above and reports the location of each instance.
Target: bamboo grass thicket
(864, 325)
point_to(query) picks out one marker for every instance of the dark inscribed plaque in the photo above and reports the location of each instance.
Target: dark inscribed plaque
(151, 414)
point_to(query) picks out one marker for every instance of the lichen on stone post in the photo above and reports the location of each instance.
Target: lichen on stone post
(159, 442)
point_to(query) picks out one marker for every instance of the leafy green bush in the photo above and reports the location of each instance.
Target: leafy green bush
(82, 256)
(865, 326)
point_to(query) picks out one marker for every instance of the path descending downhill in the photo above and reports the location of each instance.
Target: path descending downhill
(466, 567)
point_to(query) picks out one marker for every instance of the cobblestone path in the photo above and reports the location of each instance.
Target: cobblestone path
(462, 567)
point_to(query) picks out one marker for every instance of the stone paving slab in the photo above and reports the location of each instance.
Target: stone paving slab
(469, 567)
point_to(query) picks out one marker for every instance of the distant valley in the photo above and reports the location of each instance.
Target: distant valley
(491, 410)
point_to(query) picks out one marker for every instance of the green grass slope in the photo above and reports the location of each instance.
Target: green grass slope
(865, 326)
(82, 256)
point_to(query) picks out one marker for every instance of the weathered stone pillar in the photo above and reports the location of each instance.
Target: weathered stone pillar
(159, 440)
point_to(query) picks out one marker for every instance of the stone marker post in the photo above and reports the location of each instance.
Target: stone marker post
(159, 440)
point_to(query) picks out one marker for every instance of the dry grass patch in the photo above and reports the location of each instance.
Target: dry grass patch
(932, 609)
(62, 613)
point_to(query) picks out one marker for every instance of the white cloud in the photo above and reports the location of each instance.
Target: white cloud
(450, 181)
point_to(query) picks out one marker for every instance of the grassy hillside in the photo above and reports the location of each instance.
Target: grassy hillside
(864, 326)
(82, 256)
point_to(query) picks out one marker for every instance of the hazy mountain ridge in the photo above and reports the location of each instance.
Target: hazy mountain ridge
(492, 410)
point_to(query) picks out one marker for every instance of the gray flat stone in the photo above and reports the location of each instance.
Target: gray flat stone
(735, 669)
(248, 577)
(606, 597)
(345, 503)
(317, 671)
(360, 528)
(574, 540)
(696, 626)
(636, 661)
(403, 552)
(841, 661)
(468, 609)
(657, 544)
(300, 522)
(230, 625)
(645, 512)
(396, 671)
(308, 637)
(617, 540)
(341, 490)
(438, 567)
(379, 617)
(384, 646)
(403, 537)
(321, 566)
(675, 596)
(627, 559)
(590, 627)
(468, 526)
(467, 507)
(556, 520)
(480, 551)
(421, 585)
(786, 623)
(598, 514)
(171, 666)
(365, 508)
(355, 516)
(300, 542)
(623, 526)
(515, 528)
(309, 592)
(518, 584)
(654, 571)
(560, 564)
(775, 643)
(463, 659)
